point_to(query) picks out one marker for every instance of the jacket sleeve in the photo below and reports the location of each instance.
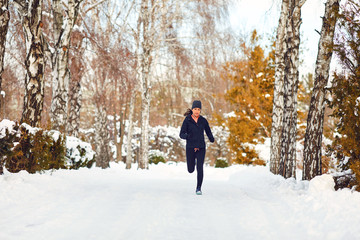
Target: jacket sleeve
(208, 132)
(183, 131)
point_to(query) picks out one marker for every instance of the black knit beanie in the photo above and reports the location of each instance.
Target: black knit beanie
(196, 104)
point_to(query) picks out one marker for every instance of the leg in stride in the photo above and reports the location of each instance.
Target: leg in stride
(200, 156)
(190, 159)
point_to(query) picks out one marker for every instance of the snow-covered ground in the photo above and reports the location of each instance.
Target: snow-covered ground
(239, 202)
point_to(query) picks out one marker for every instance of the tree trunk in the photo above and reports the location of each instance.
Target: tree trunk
(146, 15)
(278, 102)
(102, 138)
(60, 62)
(4, 24)
(121, 132)
(287, 165)
(145, 112)
(130, 131)
(315, 120)
(116, 132)
(74, 108)
(77, 68)
(34, 63)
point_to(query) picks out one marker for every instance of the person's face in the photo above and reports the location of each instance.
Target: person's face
(196, 112)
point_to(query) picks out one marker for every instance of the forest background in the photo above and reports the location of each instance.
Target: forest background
(145, 62)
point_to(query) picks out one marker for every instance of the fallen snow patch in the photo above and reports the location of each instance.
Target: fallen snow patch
(322, 183)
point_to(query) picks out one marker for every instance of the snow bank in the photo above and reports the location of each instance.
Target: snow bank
(322, 183)
(239, 202)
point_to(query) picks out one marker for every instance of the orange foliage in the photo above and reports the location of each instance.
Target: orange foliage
(251, 98)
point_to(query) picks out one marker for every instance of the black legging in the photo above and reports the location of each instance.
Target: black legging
(199, 155)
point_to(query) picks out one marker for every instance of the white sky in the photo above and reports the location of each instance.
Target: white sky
(263, 15)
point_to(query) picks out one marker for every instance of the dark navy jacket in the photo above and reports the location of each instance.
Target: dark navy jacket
(194, 132)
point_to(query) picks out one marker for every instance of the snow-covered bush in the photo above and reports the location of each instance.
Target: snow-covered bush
(30, 149)
(34, 149)
(78, 153)
(221, 163)
(163, 139)
(220, 148)
(166, 139)
(156, 156)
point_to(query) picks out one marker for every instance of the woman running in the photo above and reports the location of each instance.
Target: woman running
(192, 130)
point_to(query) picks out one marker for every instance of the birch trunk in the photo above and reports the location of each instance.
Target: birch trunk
(315, 120)
(278, 102)
(75, 93)
(60, 62)
(145, 111)
(133, 97)
(130, 132)
(287, 165)
(74, 108)
(4, 23)
(146, 33)
(31, 13)
(102, 138)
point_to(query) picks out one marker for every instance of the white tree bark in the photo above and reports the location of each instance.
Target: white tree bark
(64, 20)
(278, 102)
(154, 19)
(287, 165)
(74, 109)
(31, 14)
(283, 131)
(4, 23)
(75, 94)
(315, 120)
(146, 35)
(102, 137)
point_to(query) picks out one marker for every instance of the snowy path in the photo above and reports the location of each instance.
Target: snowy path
(238, 203)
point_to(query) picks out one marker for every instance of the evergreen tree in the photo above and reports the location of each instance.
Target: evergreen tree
(346, 91)
(251, 98)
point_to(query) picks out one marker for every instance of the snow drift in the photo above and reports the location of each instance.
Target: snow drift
(238, 202)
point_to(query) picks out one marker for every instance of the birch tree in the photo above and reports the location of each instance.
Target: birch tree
(153, 19)
(4, 23)
(157, 19)
(315, 120)
(131, 114)
(64, 18)
(287, 164)
(278, 102)
(102, 138)
(283, 146)
(31, 16)
(147, 29)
